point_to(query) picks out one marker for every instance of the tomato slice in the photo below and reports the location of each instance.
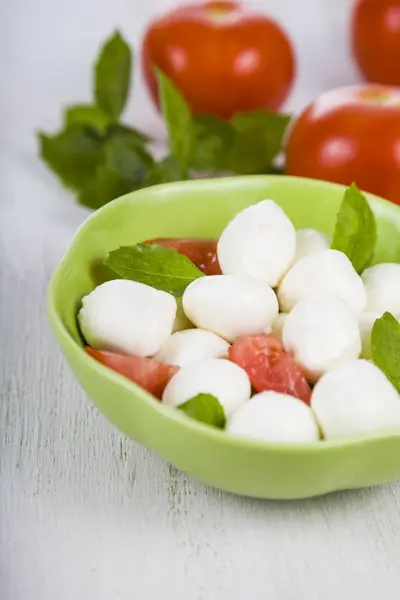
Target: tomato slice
(202, 252)
(269, 367)
(151, 375)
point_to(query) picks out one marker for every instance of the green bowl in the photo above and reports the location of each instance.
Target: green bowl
(202, 208)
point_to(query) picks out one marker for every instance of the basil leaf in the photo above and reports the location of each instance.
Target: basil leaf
(214, 138)
(385, 345)
(123, 170)
(205, 408)
(106, 185)
(258, 139)
(90, 116)
(113, 75)
(119, 129)
(73, 155)
(178, 119)
(355, 231)
(127, 159)
(124, 138)
(159, 267)
(165, 171)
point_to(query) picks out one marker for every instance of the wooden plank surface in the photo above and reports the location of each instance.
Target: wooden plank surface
(84, 512)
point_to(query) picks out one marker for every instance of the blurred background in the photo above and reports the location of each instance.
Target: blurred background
(47, 48)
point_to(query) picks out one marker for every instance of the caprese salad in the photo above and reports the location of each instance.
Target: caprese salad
(268, 332)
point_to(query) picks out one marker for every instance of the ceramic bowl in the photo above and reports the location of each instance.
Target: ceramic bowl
(238, 465)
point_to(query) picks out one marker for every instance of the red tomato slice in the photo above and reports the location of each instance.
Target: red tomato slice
(269, 366)
(202, 252)
(151, 375)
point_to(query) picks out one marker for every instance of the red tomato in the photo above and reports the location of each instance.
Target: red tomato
(224, 57)
(151, 375)
(376, 39)
(203, 253)
(269, 366)
(350, 134)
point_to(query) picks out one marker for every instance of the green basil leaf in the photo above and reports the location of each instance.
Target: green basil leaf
(113, 75)
(89, 116)
(355, 231)
(123, 170)
(73, 155)
(119, 129)
(258, 139)
(159, 267)
(385, 345)
(127, 159)
(205, 408)
(214, 138)
(166, 170)
(106, 185)
(178, 119)
(119, 138)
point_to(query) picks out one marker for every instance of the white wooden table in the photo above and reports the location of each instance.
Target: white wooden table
(84, 512)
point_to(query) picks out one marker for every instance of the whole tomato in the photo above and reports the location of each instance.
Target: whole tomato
(223, 57)
(376, 39)
(350, 134)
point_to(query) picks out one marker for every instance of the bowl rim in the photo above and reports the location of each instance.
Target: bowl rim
(166, 412)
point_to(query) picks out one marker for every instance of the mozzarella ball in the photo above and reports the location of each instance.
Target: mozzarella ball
(181, 321)
(260, 242)
(274, 417)
(355, 398)
(321, 332)
(230, 305)
(310, 241)
(327, 272)
(277, 326)
(225, 380)
(382, 284)
(366, 322)
(127, 317)
(192, 345)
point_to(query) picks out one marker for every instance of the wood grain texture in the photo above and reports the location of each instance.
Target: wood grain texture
(84, 512)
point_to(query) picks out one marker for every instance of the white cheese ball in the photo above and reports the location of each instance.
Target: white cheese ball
(326, 272)
(366, 322)
(321, 332)
(127, 317)
(382, 284)
(310, 241)
(355, 398)
(277, 326)
(230, 305)
(260, 242)
(274, 417)
(225, 380)
(192, 345)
